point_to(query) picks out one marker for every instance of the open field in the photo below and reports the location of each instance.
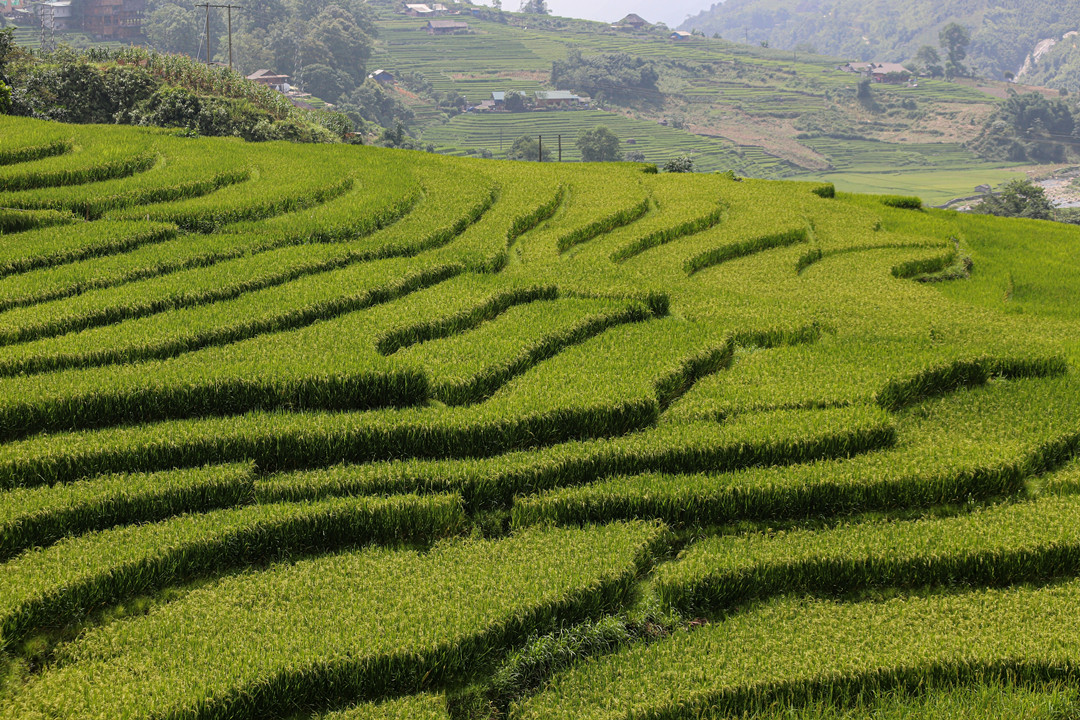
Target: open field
(346, 432)
(936, 187)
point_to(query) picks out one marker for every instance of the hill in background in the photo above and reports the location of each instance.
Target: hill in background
(1003, 34)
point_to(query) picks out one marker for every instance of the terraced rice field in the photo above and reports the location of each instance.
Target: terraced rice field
(498, 131)
(343, 432)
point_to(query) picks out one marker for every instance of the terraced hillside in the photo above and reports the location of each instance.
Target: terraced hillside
(760, 112)
(343, 432)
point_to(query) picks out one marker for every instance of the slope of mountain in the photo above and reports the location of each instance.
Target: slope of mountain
(1003, 32)
(761, 112)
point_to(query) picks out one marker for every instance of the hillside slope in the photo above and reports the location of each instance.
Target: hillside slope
(1003, 34)
(760, 112)
(331, 431)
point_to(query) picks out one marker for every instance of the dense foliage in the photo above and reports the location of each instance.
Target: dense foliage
(617, 76)
(324, 44)
(1019, 198)
(142, 88)
(1030, 128)
(599, 144)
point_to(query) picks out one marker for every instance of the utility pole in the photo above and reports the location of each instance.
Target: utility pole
(207, 6)
(560, 148)
(230, 35)
(229, 6)
(540, 150)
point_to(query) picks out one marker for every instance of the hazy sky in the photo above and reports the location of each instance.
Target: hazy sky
(672, 12)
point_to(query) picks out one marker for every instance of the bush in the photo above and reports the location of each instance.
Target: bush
(680, 164)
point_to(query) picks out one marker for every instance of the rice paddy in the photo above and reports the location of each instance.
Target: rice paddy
(346, 432)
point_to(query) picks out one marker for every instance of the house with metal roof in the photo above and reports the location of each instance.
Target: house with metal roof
(558, 99)
(446, 27)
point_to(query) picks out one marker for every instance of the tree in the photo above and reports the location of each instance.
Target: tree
(680, 164)
(954, 39)
(372, 102)
(535, 7)
(173, 28)
(527, 147)
(618, 76)
(1019, 198)
(929, 61)
(599, 145)
(326, 83)
(1027, 127)
(863, 91)
(514, 101)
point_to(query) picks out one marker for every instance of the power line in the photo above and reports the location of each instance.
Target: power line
(229, 7)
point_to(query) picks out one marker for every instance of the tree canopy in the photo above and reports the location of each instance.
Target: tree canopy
(527, 147)
(618, 76)
(599, 145)
(1019, 198)
(954, 40)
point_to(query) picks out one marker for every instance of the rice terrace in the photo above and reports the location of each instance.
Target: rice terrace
(335, 431)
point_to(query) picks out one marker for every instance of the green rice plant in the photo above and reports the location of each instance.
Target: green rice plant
(196, 385)
(606, 224)
(191, 175)
(913, 269)
(469, 367)
(40, 516)
(607, 193)
(522, 206)
(65, 169)
(75, 278)
(1033, 701)
(61, 582)
(939, 380)
(529, 666)
(425, 706)
(276, 309)
(64, 244)
(378, 198)
(974, 445)
(17, 221)
(280, 183)
(1002, 545)
(775, 438)
(1065, 481)
(771, 439)
(731, 251)
(612, 384)
(841, 369)
(659, 237)
(902, 201)
(27, 153)
(790, 652)
(526, 222)
(340, 629)
(467, 319)
(427, 226)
